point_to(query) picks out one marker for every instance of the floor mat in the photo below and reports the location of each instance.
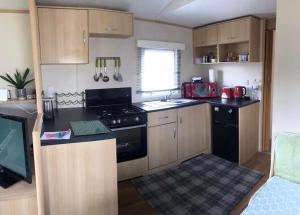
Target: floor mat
(203, 185)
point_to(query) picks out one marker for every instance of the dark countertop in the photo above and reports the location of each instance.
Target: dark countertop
(64, 116)
(61, 123)
(234, 103)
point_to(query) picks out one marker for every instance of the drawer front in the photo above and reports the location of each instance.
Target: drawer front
(162, 117)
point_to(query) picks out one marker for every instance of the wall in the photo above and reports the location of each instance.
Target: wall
(286, 103)
(64, 78)
(15, 45)
(235, 74)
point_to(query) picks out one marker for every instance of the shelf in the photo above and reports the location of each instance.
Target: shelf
(233, 62)
(15, 101)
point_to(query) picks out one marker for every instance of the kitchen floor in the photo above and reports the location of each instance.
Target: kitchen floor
(132, 203)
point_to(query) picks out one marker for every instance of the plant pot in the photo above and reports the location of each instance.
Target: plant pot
(21, 94)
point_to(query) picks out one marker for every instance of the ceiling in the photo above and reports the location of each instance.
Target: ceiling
(14, 4)
(184, 12)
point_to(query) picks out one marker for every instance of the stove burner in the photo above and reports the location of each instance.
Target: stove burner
(111, 111)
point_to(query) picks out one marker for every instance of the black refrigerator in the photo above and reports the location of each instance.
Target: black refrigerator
(225, 132)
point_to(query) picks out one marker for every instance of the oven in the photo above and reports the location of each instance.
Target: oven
(131, 142)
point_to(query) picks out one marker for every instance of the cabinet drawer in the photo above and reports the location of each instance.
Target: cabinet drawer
(162, 117)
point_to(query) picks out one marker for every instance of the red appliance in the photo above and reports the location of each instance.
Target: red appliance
(199, 90)
(227, 92)
(239, 91)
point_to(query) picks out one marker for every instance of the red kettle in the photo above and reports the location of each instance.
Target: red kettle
(239, 92)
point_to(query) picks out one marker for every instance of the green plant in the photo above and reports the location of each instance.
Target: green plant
(19, 81)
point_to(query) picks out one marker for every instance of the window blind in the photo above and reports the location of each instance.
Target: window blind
(158, 70)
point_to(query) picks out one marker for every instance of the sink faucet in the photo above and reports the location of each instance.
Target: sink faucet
(167, 97)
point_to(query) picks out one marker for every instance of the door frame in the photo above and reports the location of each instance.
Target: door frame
(267, 91)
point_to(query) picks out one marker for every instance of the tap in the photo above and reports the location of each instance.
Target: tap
(167, 97)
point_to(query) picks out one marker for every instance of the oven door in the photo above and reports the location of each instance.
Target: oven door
(131, 142)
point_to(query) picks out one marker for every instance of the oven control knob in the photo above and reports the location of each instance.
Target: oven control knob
(114, 122)
(119, 121)
(137, 119)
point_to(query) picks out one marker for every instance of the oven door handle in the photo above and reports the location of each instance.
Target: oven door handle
(127, 128)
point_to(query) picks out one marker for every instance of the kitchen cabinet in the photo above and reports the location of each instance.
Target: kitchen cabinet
(235, 37)
(194, 130)
(234, 31)
(162, 145)
(205, 36)
(162, 138)
(63, 35)
(80, 178)
(235, 132)
(107, 23)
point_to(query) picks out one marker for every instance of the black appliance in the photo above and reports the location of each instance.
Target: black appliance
(225, 132)
(129, 123)
(15, 151)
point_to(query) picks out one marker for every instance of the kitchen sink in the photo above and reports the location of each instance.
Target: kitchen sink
(179, 101)
(168, 103)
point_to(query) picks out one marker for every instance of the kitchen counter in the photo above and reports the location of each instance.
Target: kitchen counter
(62, 123)
(234, 103)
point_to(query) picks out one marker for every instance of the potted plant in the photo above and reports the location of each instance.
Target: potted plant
(19, 82)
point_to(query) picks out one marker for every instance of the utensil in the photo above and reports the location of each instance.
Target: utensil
(105, 77)
(96, 76)
(101, 65)
(115, 76)
(119, 76)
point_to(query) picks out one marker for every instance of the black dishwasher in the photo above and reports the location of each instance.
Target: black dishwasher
(225, 132)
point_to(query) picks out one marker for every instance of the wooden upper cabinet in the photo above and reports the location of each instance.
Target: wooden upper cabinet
(206, 36)
(110, 23)
(234, 31)
(63, 35)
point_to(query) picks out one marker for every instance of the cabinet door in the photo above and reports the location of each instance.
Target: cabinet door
(225, 142)
(206, 36)
(234, 31)
(162, 144)
(63, 36)
(110, 23)
(194, 130)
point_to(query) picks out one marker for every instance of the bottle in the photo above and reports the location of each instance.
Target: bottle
(255, 88)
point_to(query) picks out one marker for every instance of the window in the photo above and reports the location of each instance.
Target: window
(159, 70)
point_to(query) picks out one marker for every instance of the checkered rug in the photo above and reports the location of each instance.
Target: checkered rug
(203, 185)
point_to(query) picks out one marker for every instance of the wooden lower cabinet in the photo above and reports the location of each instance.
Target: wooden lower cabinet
(80, 178)
(162, 145)
(248, 132)
(194, 131)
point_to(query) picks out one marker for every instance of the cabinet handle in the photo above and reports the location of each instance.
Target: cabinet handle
(180, 120)
(165, 117)
(84, 37)
(174, 133)
(111, 29)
